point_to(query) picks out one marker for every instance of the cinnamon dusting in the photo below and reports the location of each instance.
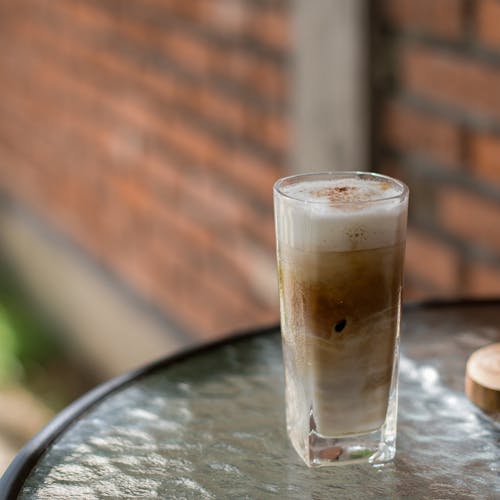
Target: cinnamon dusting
(384, 186)
(342, 194)
(337, 193)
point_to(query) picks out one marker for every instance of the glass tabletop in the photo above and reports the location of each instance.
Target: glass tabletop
(212, 425)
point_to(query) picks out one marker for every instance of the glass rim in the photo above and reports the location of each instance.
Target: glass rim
(278, 186)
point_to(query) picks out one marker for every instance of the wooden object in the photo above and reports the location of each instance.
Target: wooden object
(482, 378)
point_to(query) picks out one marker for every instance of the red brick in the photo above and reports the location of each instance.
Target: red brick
(211, 103)
(212, 202)
(170, 253)
(417, 132)
(470, 217)
(69, 197)
(215, 108)
(272, 27)
(227, 16)
(188, 140)
(253, 172)
(277, 130)
(172, 217)
(485, 157)
(201, 57)
(432, 261)
(63, 196)
(191, 10)
(442, 18)
(219, 208)
(82, 145)
(265, 24)
(488, 22)
(250, 71)
(199, 298)
(48, 128)
(456, 81)
(483, 280)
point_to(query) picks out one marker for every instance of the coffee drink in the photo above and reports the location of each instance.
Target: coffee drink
(340, 244)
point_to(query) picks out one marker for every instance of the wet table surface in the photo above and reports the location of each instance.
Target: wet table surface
(211, 424)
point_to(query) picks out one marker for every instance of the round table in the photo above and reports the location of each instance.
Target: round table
(210, 423)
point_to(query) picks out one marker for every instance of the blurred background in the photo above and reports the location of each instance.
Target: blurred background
(140, 139)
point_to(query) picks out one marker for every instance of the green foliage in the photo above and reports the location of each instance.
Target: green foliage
(25, 337)
(34, 342)
(33, 352)
(10, 367)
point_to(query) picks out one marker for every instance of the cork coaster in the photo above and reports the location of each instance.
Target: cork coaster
(482, 378)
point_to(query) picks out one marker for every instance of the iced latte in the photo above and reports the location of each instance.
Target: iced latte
(340, 243)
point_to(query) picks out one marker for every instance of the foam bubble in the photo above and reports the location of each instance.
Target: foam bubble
(341, 214)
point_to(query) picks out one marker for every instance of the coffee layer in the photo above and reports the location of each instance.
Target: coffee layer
(340, 315)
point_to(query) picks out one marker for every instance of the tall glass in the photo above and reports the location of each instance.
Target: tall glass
(340, 248)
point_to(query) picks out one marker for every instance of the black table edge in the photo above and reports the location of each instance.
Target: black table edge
(16, 473)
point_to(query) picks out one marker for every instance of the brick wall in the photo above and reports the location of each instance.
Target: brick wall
(438, 127)
(150, 132)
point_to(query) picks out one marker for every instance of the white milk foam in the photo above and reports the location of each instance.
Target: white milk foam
(341, 215)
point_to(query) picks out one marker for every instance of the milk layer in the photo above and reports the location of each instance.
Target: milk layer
(341, 215)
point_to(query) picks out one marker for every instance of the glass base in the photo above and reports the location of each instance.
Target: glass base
(323, 451)
(375, 447)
